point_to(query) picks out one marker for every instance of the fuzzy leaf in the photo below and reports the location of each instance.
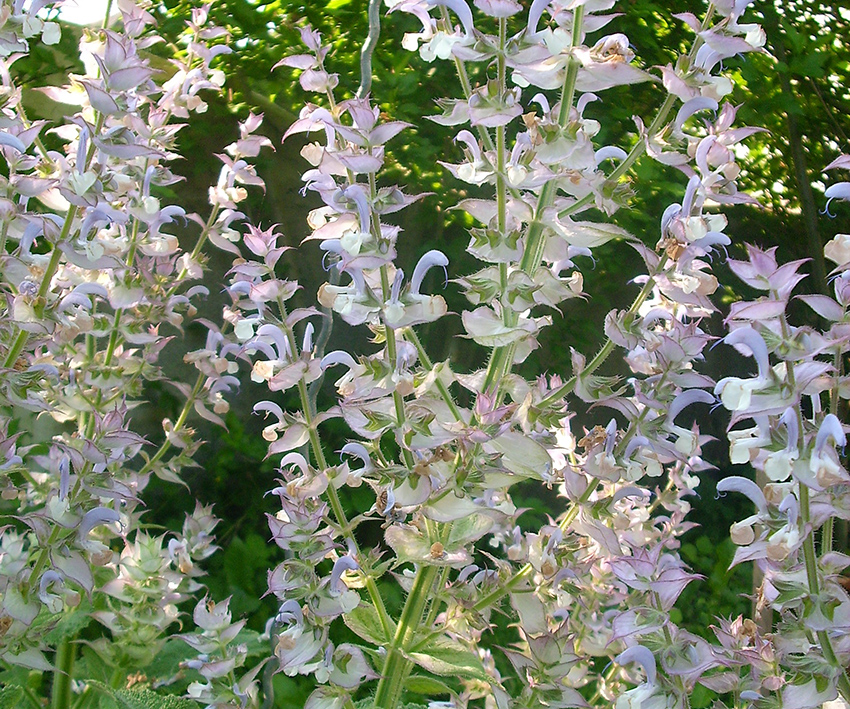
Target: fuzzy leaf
(446, 657)
(170, 656)
(69, 626)
(469, 529)
(521, 455)
(588, 234)
(12, 696)
(410, 545)
(761, 309)
(364, 622)
(31, 658)
(807, 696)
(420, 684)
(143, 698)
(842, 161)
(824, 306)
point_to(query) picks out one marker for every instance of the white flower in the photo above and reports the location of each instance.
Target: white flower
(742, 532)
(51, 33)
(783, 542)
(439, 47)
(744, 444)
(263, 370)
(838, 249)
(641, 697)
(736, 393)
(778, 465)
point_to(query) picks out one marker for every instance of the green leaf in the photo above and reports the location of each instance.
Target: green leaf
(589, 234)
(69, 626)
(336, 4)
(446, 657)
(141, 698)
(521, 455)
(147, 699)
(469, 529)
(167, 660)
(11, 696)
(420, 684)
(365, 622)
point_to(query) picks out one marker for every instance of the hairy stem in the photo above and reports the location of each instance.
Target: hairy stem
(809, 554)
(427, 364)
(396, 665)
(342, 521)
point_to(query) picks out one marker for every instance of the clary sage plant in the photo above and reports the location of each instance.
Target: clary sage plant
(96, 286)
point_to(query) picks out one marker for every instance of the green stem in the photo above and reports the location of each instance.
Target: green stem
(202, 239)
(84, 698)
(466, 84)
(106, 14)
(500, 363)
(826, 536)
(333, 496)
(65, 656)
(396, 665)
(389, 332)
(41, 559)
(501, 185)
(428, 365)
(809, 554)
(181, 421)
(814, 591)
(639, 148)
(55, 256)
(838, 365)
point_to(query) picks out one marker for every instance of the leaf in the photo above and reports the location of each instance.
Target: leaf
(31, 658)
(824, 306)
(420, 684)
(70, 625)
(521, 455)
(842, 161)
(369, 702)
(410, 545)
(806, 696)
(335, 4)
(588, 234)
(365, 622)
(469, 529)
(761, 309)
(11, 696)
(255, 646)
(169, 658)
(142, 698)
(446, 657)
